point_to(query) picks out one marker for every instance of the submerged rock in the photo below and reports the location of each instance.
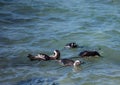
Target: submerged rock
(38, 81)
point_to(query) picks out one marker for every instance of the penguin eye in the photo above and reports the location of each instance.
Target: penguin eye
(78, 63)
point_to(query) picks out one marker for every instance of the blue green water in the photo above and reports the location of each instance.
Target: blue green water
(34, 26)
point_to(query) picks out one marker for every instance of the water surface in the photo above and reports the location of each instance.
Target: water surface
(34, 26)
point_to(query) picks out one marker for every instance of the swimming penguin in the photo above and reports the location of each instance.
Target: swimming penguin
(45, 57)
(71, 45)
(69, 62)
(89, 53)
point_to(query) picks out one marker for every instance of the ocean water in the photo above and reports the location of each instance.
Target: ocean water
(34, 26)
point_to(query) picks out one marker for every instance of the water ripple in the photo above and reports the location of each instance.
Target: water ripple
(28, 26)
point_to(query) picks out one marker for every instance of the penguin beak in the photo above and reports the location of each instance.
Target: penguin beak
(82, 62)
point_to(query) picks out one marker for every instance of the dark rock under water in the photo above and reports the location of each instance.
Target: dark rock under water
(38, 81)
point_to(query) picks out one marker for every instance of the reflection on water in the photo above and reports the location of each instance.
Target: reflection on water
(28, 26)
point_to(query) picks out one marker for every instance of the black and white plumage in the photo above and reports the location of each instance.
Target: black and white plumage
(45, 57)
(89, 53)
(69, 62)
(71, 45)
